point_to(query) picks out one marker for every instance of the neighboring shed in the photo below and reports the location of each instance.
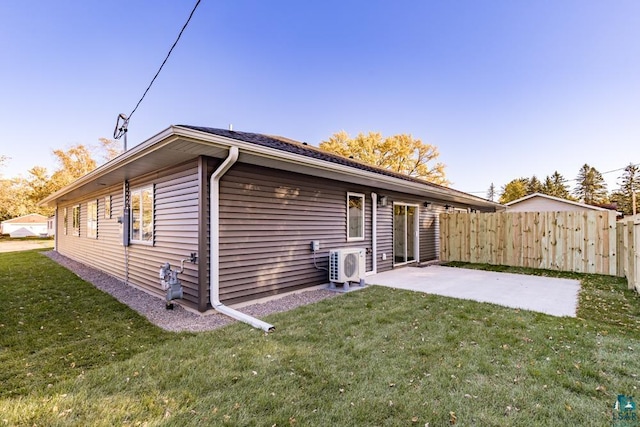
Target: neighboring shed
(249, 205)
(538, 202)
(25, 226)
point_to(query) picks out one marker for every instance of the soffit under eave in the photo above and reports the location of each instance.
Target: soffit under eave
(175, 152)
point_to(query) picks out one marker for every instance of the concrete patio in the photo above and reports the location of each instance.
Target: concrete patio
(557, 297)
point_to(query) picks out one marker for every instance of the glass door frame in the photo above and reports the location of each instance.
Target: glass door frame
(416, 233)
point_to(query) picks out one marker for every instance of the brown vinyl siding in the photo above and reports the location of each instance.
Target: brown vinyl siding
(110, 258)
(104, 252)
(267, 221)
(428, 229)
(368, 231)
(385, 236)
(269, 218)
(175, 230)
(429, 232)
(206, 166)
(175, 224)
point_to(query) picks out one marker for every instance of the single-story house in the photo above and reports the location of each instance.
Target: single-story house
(25, 226)
(261, 213)
(538, 202)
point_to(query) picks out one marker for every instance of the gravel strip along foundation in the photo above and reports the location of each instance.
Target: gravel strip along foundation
(179, 319)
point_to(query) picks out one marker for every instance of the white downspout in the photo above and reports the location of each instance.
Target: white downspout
(214, 247)
(374, 233)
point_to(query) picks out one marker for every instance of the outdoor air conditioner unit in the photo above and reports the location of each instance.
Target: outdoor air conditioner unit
(346, 265)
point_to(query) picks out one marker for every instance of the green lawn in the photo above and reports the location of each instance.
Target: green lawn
(74, 356)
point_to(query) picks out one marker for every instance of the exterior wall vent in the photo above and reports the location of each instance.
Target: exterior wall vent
(346, 265)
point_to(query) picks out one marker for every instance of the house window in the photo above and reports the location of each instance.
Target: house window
(142, 215)
(65, 223)
(355, 216)
(107, 207)
(75, 218)
(92, 219)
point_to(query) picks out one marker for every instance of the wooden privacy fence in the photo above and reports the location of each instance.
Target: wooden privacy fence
(628, 239)
(582, 242)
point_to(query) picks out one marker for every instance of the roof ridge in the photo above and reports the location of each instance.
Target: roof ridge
(308, 150)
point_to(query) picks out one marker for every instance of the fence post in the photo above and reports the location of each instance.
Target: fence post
(636, 254)
(620, 249)
(631, 255)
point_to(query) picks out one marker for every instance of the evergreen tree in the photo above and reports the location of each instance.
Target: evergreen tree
(590, 188)
(555, 186)
(534, 185)
(630, 184)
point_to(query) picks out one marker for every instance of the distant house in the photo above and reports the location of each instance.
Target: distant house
(260, 212)
(51, 226)
(25, 226)
(538, 202)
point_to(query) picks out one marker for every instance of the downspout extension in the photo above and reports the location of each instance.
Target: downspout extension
(214, 247)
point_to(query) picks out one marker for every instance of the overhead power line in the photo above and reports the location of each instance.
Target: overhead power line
(122, 122)
(569, 180)
(607, 172)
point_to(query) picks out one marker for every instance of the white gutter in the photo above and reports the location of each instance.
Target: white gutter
(214, 247)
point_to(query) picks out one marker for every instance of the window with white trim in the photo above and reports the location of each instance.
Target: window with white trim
(355, 217)
(75, 218)
(92, 219)
(65, 222)
(142, 215)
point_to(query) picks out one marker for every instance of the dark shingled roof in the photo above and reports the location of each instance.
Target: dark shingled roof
(291, 146)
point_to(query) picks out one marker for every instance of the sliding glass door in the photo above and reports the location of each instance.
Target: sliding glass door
(405, 233)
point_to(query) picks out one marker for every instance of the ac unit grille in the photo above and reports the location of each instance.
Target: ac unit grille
(334, 263)
(346, 265)
(350, 264)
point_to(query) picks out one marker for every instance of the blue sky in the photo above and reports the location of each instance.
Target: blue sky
(503, 88)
